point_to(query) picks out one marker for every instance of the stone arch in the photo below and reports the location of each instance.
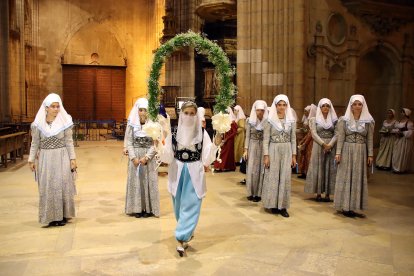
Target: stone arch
(379, 80)
(94, 28)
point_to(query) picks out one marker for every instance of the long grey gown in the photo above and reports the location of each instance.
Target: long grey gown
(280, 146)
(386, 148)
(321, 175)
(55, 179)
(142, 190)
(255, 166)
(351, 187)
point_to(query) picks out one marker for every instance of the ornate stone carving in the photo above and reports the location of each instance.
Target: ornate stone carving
(217, 10)
(336, 29)
(318, 27)
(383, 17)
(335, 61)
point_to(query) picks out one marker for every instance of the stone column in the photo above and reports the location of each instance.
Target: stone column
(4, 65)
(271, 50)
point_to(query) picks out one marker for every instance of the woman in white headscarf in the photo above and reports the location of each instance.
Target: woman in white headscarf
(52, 158)
(354, 154)
(305, 145)
(403, 146)
(253, 150)
(188, 150)
(383, 160)
(321, 174)
(239, 139)
(279, 150)
(142, 195)
(227, 149)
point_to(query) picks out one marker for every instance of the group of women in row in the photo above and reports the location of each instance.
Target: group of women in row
(396, 145)
(339, 159)
(188, 150)
(342, 150)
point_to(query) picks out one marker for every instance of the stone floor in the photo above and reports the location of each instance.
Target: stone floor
(234, 236)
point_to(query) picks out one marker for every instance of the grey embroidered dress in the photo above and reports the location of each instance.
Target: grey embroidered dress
(54, 176)
(255, 166)
(280, 146)
(142, 184)
(321, 175)
(387, 141)
(351, 187)
(403, 147)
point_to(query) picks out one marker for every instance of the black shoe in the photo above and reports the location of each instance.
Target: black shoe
(349, 214)
(326, 199)
(284, 213)
(145, 215)
(275, 211)
(318, 198)
(61, 223)
(256, 199)
(138, 215)
(243, 182)
(358, 215)
(250, 198)
(53, 223)
(65, 220)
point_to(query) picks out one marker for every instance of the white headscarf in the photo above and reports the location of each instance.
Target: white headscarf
(230, 111)
(240, 114)
(62, 121)
(407, 112)
(304, 117)
(189, 131)
(330, 119)
(253, 121)
(289, 116)
(133, 118)
(365, 117)
(201, 112)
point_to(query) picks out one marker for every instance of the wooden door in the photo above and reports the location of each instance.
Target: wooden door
(94, 92)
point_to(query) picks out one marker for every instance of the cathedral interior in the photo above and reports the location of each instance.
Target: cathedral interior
(97, 56)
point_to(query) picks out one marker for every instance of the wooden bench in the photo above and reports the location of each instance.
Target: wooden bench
(12, 144)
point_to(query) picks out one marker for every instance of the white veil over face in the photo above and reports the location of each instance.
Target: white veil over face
(189, 131)
(62, 121)
(365, 117)
(330, 119)
(274, 118)
(133, 118)
(253, 120)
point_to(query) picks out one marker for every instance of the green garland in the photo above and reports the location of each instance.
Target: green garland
(203, 46)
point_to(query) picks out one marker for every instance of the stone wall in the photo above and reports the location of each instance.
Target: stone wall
(121, 33)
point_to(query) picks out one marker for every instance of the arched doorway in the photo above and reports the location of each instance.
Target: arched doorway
(379, 80)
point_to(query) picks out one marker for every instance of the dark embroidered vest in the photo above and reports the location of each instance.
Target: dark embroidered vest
(186, 155)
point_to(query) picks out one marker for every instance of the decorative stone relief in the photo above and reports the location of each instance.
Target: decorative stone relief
(336, 29)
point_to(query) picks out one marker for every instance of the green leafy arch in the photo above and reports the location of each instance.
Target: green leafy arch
(203, 46)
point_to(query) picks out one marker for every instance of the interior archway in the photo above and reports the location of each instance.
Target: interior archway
(379, 80)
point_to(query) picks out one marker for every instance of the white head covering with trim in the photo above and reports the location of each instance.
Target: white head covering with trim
(62, 121)
(330, 119)
(407, 111)
(230, 112)
(357, 125)
(304, 117)
(133, 118)
(289, 116)
(240, 113)
(189, 131)
(201, 112)
(253, 121)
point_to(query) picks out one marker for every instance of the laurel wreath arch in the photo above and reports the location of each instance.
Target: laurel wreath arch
(204, 46)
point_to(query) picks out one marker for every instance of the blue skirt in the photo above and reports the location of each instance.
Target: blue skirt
(187, 207)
